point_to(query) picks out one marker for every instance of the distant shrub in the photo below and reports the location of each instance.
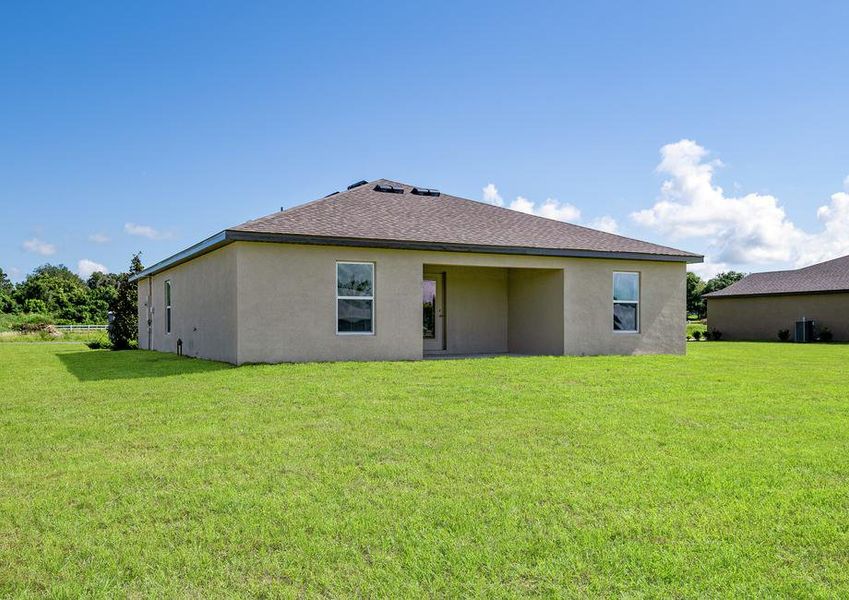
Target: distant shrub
(715, 335)
(21, 322)
(826, 335)
(99, 344)
(707, 334)
(783, 334)
(43, 331)
(35, 325)
(697, 335)
(693, 326)
(103, 343)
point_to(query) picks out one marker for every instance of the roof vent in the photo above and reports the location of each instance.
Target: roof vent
(424, 192)
(331, 194)
(358, 184)
(388, 189)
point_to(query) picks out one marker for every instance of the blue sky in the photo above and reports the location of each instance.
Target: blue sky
(151, 126)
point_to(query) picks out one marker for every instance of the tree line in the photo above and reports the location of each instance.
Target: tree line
(697, 288)
(55, 294)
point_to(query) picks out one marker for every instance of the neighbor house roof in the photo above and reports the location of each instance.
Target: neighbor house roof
(389, 214)
(830, 276)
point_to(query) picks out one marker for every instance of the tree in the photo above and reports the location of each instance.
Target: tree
(35, 305)
(63, 293)
(722, 281)
(103, 289)
(5, 284)
(60, 294)
(125, 317)
(7, 303)
(7, 293)
(99, 280)
(695, 304)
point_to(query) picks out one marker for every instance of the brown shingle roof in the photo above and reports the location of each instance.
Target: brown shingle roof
(830, 276)
(365, 214)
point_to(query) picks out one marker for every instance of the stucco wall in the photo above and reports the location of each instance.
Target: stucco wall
(282, 297)
(286, 304)
(760, 318)
(475, 310)
(203, 307)
(535, 319)
(588, 325)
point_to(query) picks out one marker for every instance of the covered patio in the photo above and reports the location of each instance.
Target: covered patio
(480, 311)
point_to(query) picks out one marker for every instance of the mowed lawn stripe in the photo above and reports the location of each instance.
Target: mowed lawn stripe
(138, 473)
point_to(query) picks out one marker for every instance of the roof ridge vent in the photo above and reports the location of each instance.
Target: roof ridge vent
(331, 194)
(388, 189)
(424, 192)
(358, 184)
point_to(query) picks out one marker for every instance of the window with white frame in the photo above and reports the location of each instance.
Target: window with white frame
(626, 302)
(354, 298)
(168, 306)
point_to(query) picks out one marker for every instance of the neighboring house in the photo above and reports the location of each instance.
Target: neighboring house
(388, 271)
(761, 304)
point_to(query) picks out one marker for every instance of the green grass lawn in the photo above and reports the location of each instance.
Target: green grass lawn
(722, 473)
(9, 332)
(693, 326)
(66, 336)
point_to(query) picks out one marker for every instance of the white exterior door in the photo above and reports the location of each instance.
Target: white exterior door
(433, 312)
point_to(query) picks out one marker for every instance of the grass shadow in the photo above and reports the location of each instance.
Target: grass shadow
(102, 365)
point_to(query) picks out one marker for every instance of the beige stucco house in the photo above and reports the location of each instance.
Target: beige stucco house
(761, 304)
(388, 271)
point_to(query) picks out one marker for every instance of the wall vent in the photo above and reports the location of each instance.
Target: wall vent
(358, 184)
(388, 189)
(424, 192)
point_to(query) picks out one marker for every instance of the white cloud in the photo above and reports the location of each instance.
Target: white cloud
(550, 209)
(522, 204)
(749, 229)
(491, 195)
(86, 267)
(37, 246)
(753, 229)
(145, 231)
(14, 273)
(846, 183)
(605, 223)
(709, 269)
(833, 240)
(99, 238)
